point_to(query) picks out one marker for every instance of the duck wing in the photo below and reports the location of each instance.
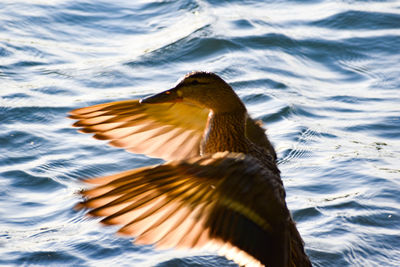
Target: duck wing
(225, 201)
(170, 130)
(256, 134)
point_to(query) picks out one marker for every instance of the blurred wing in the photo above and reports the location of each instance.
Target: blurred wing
(225, 201)
(168, 131)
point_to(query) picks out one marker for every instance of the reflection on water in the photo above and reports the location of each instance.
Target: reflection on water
(322, 75)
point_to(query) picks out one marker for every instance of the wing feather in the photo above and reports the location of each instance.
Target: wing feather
(155, 130)
(226, 201)
(151, 129)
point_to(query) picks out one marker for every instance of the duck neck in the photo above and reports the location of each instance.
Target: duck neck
(225, 132)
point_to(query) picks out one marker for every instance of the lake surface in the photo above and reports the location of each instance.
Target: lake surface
(324, 76)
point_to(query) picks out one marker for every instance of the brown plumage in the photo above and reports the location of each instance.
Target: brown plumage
(221, 190)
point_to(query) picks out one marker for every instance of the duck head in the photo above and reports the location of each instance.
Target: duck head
(204, 89)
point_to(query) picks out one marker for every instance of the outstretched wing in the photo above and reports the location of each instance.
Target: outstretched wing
(225, 200)
(168, 131)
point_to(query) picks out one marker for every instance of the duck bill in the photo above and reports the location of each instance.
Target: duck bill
(168, 96)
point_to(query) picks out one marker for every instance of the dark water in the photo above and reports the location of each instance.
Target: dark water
(323, 75)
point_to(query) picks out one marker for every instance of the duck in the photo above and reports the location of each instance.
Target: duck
(219, 188)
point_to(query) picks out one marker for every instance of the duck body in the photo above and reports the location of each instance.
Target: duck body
(225, 191)
(227, 132)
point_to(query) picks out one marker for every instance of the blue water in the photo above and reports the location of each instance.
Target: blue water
(324, 76)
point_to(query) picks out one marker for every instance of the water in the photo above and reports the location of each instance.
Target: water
(324, 76)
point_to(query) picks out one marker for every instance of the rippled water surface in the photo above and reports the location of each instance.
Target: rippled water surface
(324, 76)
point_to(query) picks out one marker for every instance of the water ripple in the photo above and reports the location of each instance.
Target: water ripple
(355, 19)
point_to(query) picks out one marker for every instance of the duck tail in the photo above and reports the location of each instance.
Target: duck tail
(298, 257)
